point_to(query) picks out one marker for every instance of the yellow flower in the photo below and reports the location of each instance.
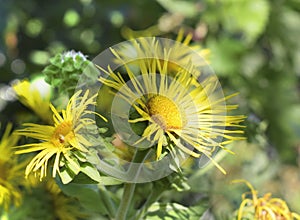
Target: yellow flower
(133, 51)
(11, 172)
(178, 109)
(61, 140)
(263, 208)
(31, 97)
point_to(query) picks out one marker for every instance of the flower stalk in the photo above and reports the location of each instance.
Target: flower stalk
(126, 201)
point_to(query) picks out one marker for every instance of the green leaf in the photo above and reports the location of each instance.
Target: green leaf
(82, 178)
(56, 60)
(102, 130)
(73, 165)
(87, 194)
(66, 175)
(80, 156)
(180, 183)
(109, 181)
(90, 171)
(90, 175)
(93, 157)
(169, 211)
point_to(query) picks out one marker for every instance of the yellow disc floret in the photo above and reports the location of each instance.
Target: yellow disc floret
(63, 134)
(165, 112)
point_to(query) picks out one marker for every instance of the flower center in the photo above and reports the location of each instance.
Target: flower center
(63, 134)
(165, 112)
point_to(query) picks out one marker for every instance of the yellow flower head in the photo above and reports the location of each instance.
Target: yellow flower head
(263, 208)
(61, 140)
(166, 94)
(129, 51)
(11, 172)
(31, 97)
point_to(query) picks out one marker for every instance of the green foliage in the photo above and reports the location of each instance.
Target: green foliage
(254, 48)
(249, 18)
(185, 8)
(225, 52)
(173, 211)
(87, 194)
(66, 69)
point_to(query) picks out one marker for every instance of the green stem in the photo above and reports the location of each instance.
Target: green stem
(126, 201)
(109, 204)
(129, 188)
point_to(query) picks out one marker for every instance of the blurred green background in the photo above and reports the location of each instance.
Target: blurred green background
(255, 50)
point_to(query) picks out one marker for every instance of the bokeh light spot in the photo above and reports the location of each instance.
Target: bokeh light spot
(7, 93)
(116, 18)
(18, 66)
(39, 57)
(87, 36)
(71, 18)
(34, 27)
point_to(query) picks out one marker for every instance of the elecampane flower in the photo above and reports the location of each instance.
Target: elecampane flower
(263, 208)
(31, 97)
(133, 51)
(61, 140)
(177, 108)
(11, 171)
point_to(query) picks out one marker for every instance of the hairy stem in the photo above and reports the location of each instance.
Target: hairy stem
(126, 201)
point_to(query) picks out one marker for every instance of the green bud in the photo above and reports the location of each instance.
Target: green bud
(65, 69)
